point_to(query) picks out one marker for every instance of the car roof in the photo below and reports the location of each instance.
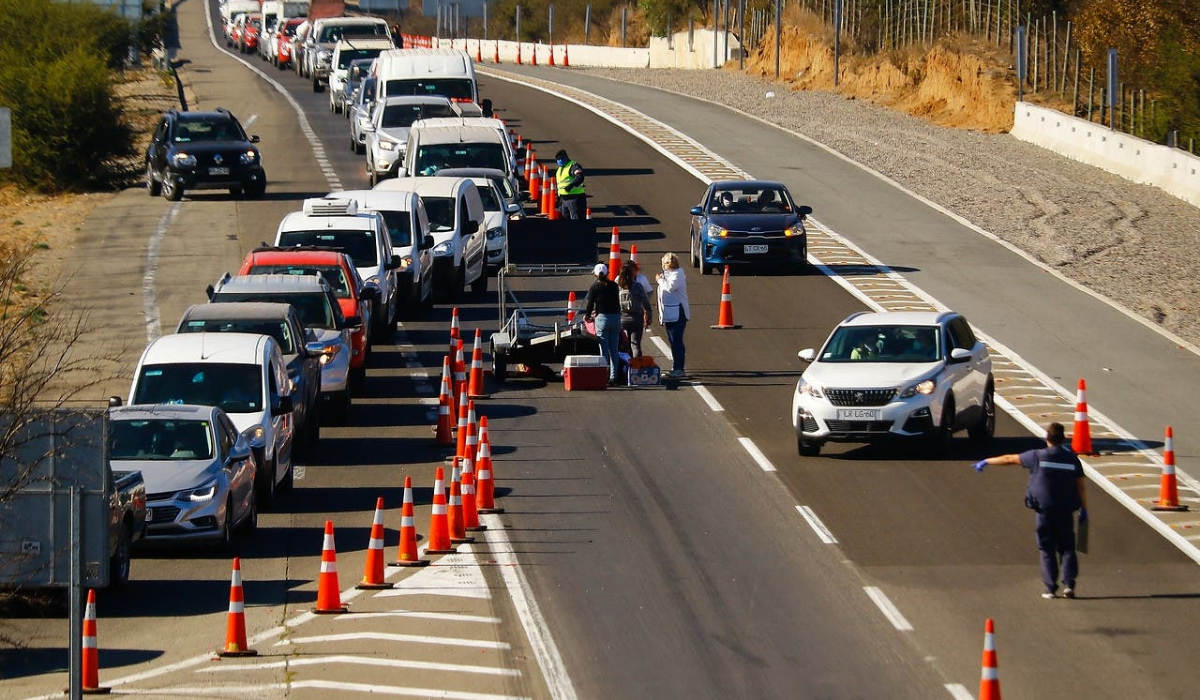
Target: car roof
(367, 42)
(204, 116)
(381, 200)
(492, 173)
(746, 184)
(442, 130)
(168, 411)
(273, 283)
(238, 311)
(415, 99)
(896, 318)
(284, 256)
(445, 186)
(217, 348)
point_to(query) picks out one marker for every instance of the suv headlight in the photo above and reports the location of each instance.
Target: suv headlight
(926, 387)
(329, 352)
(715, 231)
(494, 233)
(249, 157)
(204, 493)
(810, 389)
(184, 160)
(796, 229)
(443, 249)
(387, 145)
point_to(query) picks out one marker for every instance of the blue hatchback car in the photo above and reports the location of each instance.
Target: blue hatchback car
(747, 222)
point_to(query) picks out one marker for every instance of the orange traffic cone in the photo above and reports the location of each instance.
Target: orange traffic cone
(566, 56)
(475, 385)
(530, 159)
(725, 318)
(460, 443)
(614, 254)
(444, 434)
(571, 307)
(1081, 438)
(478, 51)
(458, 529)
(470, 512)
(485, 496)
(235, 621)
(460, 369)
(551, 64)
(496, 54)
(533, 55)
(439, 526)
(633, 253)
(91, 650)
(535, 180)
(552, 208)
(588, 213)
(408, 531)
(989, 681)
(329, 595)
(1168, 489)
(373, 566)
(547, 188)
(518, 53)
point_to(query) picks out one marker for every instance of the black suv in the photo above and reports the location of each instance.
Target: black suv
(203, 151)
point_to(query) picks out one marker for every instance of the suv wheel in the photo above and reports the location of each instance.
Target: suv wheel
(939, 440)
(172, 190)
(257, 189)
(692, 249)
(250, 523)
(460, 282)
(118, 571)
(225, 542)
(983, 431)
(153, 187)
(807, 448)
(317, 86)
(266, 486)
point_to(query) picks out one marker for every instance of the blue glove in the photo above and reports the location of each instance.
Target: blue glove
(1083, 515)
(980, 465)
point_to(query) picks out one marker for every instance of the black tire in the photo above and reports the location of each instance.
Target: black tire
(499, 365)
(807, 448)
(266, 484)
(692, 250)
(225, 541)
(353, 144)
(982, 432)
(171, 190)
(312, 427)
(317, 86)
(938, 442)
(153, 187)
(120, 563)
(249, 526)
(480, 285)
(358, 378)
(343, 408)
(257, 190)
(458, 286)
(235, 191)
(705, 268)
(360, 148)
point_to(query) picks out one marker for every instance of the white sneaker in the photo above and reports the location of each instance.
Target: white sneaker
(1068, 592)
(1048, 595)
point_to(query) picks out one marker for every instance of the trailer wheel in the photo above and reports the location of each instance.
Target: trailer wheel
(499, 365)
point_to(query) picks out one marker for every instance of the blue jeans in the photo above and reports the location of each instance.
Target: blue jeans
(1056, 540)
(675, 337)
(608, 327)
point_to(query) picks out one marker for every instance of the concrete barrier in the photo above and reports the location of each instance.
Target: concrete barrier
(1170, 169)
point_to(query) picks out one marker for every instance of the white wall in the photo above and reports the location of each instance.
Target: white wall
(1170, 169)
(660, 54)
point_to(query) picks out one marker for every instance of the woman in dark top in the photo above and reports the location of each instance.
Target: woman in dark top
(604, 306)
(635, 307)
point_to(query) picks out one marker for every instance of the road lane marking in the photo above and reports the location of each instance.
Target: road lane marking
(253, 118)
(452, 575)
(959, 692)
(252, 691)
(396, 637)
(815, 523)
(757, 454)
(890, 611)
(361, 661)
(421, 615)
(150, 276)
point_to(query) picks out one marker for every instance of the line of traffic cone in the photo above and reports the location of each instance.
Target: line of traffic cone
(90, 652)
(614, 254)
(329, 594)
(1081, 436)
(475, 383)
(408, 555)
(485, 497)
(1168, 488)
(989, 680)
(444, 433)
(373, 566)
(458, 529)
(235, 620)
(725, 317)
(439, 525)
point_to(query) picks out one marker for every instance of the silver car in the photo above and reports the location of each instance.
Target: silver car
(199, 470)
(359, 109)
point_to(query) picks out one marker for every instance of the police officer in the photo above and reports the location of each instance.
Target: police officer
(571, 198)
(1055, 492)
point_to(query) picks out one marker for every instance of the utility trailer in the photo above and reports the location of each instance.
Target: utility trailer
(549, 258)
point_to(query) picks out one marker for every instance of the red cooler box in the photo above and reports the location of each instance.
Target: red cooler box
(585, 372)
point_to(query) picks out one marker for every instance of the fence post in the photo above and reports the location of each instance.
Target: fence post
(587, 23)
(778, 34)
(742, 34)
(1111, 88)
(624, 14)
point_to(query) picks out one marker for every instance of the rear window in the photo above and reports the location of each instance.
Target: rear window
(235, 388)
(313, 308)
(359, 244)
(333, 274)
(279, 331)
(398, 116)
(348, 55)
(454, 88)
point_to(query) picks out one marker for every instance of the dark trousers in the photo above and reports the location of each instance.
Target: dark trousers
(1056, 541)
(675, 337)
(572, 206)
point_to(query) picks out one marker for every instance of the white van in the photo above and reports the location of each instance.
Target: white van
(446, 72)
(456, 219)
(465, 121)
(408, 227)
(433, 148)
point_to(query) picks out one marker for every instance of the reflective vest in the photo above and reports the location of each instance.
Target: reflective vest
(564, 176)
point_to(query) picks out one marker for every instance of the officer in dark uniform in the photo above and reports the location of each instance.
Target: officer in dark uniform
(572, 200)
(1056, 490)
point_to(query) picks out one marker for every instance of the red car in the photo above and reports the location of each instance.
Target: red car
(283, 56)
(245, 32)
(338, 270)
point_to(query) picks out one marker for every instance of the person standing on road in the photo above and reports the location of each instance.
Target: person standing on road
(1056, 490)
(673, 310)
(569, 179)
(604, 307)
(635, 307)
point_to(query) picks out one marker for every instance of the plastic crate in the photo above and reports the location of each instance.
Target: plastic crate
(585, 372)
(644, 376)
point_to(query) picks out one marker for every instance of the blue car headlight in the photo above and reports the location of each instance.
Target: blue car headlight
(249, 157)
(443, 249)
(715, 231)
(184, 160)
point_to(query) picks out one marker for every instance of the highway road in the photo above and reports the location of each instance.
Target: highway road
(644, 551)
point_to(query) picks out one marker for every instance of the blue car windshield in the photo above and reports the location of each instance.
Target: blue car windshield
(750, 200)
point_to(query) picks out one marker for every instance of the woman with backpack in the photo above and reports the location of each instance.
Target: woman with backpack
(635, 307)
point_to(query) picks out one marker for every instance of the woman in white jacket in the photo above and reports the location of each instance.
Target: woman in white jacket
(673, 310)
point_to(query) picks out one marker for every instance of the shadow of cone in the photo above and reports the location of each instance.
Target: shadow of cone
(1168, 488)
(989, 681)
(235, 621)
(408, 531)
(329, 595)
(439, 526)
(90, 653)
(725, 318)
(373, 566)
(1081, 436)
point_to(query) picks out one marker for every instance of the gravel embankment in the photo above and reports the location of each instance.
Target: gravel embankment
(1134, 244)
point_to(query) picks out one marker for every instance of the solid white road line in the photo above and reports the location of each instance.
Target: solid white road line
(254, 691)
(252, 118)
(757, 454)
(890, 611)
(959, 692)
(150, 276)
(815, 523)
(418, 614)
(393, 637)
(361, 661)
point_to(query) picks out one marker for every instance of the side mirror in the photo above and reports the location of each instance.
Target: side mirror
(115, 402)
(427, 242)
(282, 407)
(253, 138)
(209, 291)
(314, 349)
(472, 227)
(394, 263)
(240, 452)
(959, 355)
(697, 211)
(353, 322)
(807, 354)
(512, 208)
(804, 211)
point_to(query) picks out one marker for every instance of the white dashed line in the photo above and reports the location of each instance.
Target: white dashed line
(150, 276)
(959, 692)
(815, 523)
(757, 454)
(890, 611)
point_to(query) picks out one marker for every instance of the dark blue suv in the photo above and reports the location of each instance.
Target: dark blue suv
(203, 151)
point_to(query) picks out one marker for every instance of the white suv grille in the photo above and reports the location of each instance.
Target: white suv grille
(860, 397)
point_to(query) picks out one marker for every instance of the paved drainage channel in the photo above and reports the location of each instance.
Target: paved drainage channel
(1125, 467)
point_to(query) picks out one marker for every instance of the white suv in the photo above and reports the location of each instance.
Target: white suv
(883, 376)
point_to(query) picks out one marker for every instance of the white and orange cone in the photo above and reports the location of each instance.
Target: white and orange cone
(551, 64)
(485, 497)
(475, 383)
(408, 531)
(566, 56)
(535, 180)
(633, 255)
(454, 334)
(458, 529)
(470, 508)
(725, 317)
(547, 186)
(439, 525)
(329, 594)
(552, 212)
(614, 254)
(373, 566)
(460, 370)
(1168, 488)
(1081, 437)
(989, 681)
(461, 438)
(496, 53)
(90, 653)
(235, 620)
(571, 308)
(444, 433)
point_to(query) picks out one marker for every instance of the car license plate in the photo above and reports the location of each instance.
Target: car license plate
(753, 249)
(218, 171)
(858, 414)
(149, 515)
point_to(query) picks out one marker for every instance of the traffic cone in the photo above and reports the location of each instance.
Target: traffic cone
(496, 54)
(535, 180)
(989, 681)
(478, 51)
(530, 159)
(475, 385)
(455, 332)
(460, 440)
(614, 254)
(458, 530)
(485, 496)
(470, 512)
(445, 424)
(552, 208)
(571, 307)
(533, 55)
(235, 621)
(439, 526)
(373, 566)
(547, 188)
(460, 369)
(725, 318)
(551, 64)
(566, 56)
(471, 445)
(588, 213)
(1168, 489)
(1081, 437)
(91, 650)
(329, 595)
(633, 253)
(518, 53)
(408, 531)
